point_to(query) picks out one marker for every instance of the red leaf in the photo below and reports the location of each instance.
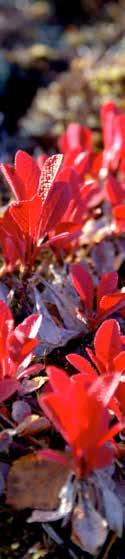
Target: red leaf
(58, 379)
(81, 415)
(6, 326)
(7, 388)
(115, 192)
(107, 342)
(55, 205)
(14, 182)
(41, 160)
(92, 194)
(67, 227)
(96, 163)
(28, 172)
(98, 364)
(119, 215)
(29, 328)
(48, 175)
(13, 244)
(119, 362)
(76, 137)
(113, 302)
(64, 234)
(111, 134)
(24, 178)
(113, 431)
(75, 211)
(83, 284)
(108, 284)
(105, 387)
(27, 215)
(121, 395)
(120, 127)
(80, 160)
(50, 405)
(33, 369)
(82, 365)
(23, 339)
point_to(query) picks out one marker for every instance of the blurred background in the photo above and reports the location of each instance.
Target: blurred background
(59, 60)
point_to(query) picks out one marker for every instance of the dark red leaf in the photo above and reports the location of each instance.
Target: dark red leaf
(83, 284)
(108, 284)
(7, 387)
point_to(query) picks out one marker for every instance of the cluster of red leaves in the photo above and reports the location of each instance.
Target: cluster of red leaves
(56, 195)
(16, 350)
(80, 406)
(40, 214)
(108, 357)
(106, 170)
(54, 198)
(106, 295)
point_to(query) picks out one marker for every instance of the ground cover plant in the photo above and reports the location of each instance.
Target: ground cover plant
(62, 407)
